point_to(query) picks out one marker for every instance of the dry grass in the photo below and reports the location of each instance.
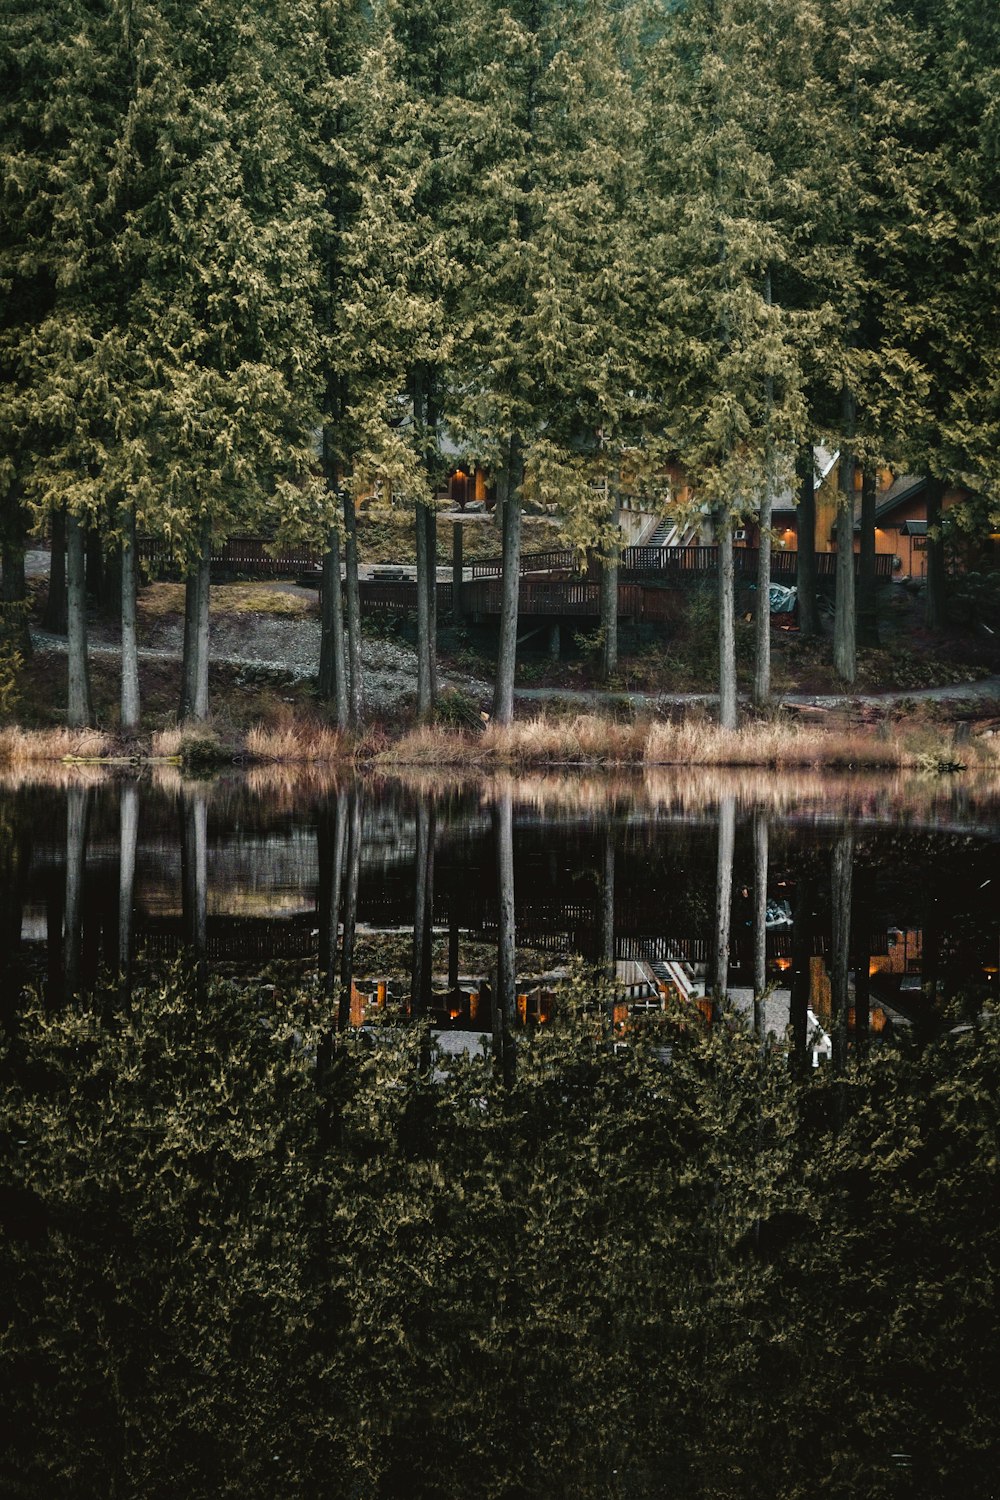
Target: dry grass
(25, 746)
(261, 599)
(159, 601)
(167, 744)
(582, 740)
(298, 743)
(987, 747)
(589, 740)
(694, 743)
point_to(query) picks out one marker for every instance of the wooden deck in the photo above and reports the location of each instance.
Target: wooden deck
(650, 579)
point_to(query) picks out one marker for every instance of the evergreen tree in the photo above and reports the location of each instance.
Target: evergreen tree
(721, 352)
(939, 256)
(537, 364)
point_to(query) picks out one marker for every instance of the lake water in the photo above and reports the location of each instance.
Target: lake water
(622, 873)
(255, 1244)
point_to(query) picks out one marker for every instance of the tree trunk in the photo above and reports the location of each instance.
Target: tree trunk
(723, 905)
(332, 685)
(111, 581)
(127, 839)
(425, 703)
(505, 994)
(352, 595)
(350, 909)
(425, 528)
(94, 550)
(841, 872)
(844, 651)
(510, 479)
(431, 541)
(760, 860)
(806, 556)
(762, 623)
(867, 612)
(194, 689)
(934, 597)
(54, 618)
(609, 595)
(13, 584)
(130, 647)
(761, 692)
(456, 572)
(79, 711)
(727, 620)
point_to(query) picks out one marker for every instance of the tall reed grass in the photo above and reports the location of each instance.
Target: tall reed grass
(298, 743)
(590, 740)
(24, 746)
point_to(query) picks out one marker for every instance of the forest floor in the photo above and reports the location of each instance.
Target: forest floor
(265, 650)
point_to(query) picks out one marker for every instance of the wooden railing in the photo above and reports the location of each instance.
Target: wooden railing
(646, 561)
(576, 598)
(686, 561)
(378, 594)
(558, 559)
(237, 554)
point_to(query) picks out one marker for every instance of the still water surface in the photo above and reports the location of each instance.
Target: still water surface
(243, 1256)
(392, 888)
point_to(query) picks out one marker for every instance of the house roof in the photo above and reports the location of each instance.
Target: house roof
(823, 461)
(904, 488)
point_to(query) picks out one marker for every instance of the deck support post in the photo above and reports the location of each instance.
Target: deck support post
(555, 641)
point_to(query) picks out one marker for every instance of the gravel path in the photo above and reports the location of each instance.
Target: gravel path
(985, 689)
(261, 646)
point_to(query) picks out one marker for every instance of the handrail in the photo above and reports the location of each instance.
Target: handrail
(243, 554)
(556, 559)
